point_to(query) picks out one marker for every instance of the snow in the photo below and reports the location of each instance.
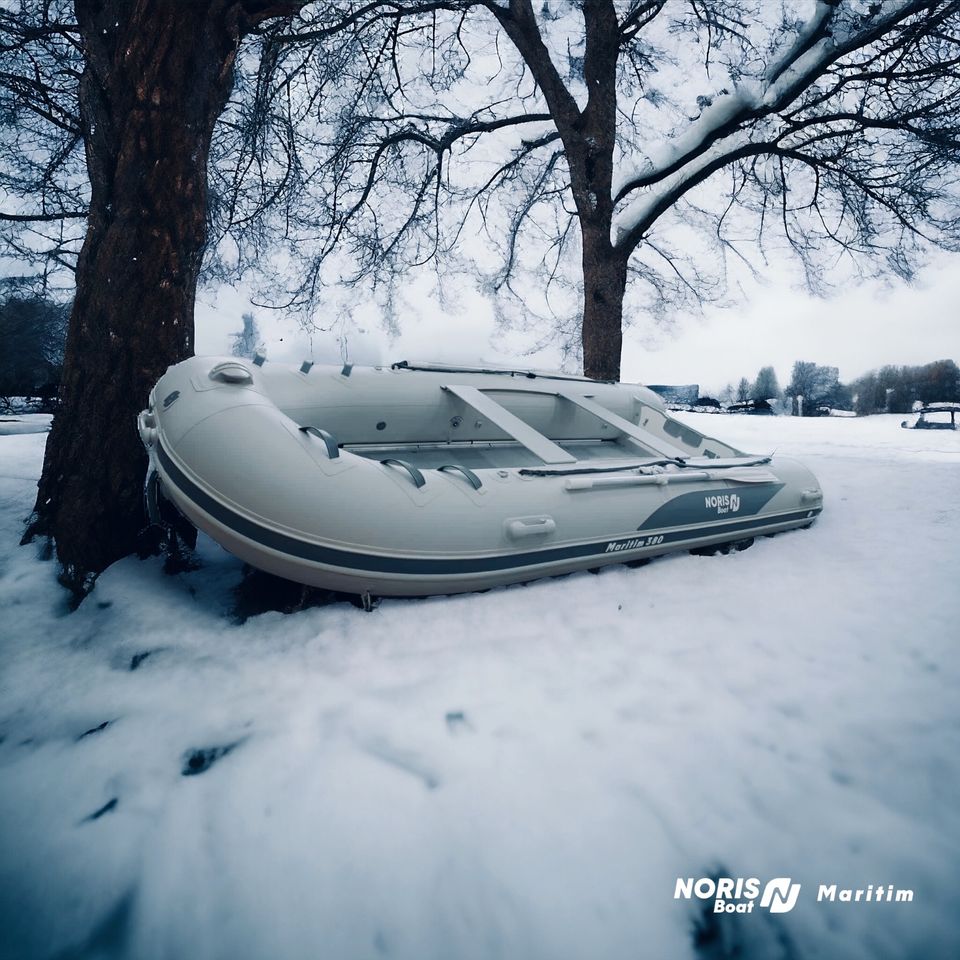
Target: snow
(521, 773)
(642, 203)
(25, 423)
(748, 94)
(683, 158)
(822, 12)
(723, 108)
(797, 75)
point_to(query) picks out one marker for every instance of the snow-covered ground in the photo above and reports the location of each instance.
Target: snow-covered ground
(29, 423)
(520, 774)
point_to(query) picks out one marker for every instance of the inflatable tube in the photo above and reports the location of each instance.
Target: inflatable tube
(414, 480)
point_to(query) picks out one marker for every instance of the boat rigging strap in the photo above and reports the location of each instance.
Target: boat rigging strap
(674, 461)
(502, 372)
(151, 495)
(578, 471)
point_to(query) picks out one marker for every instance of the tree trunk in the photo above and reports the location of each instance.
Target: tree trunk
(604, 284)
(157, 76)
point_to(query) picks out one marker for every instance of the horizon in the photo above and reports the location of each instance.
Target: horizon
(857, 330)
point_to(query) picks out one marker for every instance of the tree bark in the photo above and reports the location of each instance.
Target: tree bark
(604, 284)
(156, 78)
(588, 137)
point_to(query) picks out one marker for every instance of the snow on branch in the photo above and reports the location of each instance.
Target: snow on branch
(740, 121)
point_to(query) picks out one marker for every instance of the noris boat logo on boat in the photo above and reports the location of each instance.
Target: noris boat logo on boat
(740, 894)
(724, 502)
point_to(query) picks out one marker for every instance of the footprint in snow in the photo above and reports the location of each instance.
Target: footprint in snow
(457, 722)
(99, 728)
(109, 806)
(402, 760)
(201, 759)
(138, 658)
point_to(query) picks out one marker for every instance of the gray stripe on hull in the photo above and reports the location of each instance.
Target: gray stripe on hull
(449, 566)
(702, 507)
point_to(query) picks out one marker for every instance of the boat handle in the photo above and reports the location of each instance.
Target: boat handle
(333, 451)
(415, 475)
(530, 526)
(231, 371)
(147, 425)
(468, 474)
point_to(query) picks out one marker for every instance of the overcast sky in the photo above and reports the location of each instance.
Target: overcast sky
(860, 329)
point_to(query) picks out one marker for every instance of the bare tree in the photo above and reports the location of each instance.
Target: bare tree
(829, 127)
(32, 333)
(150, 81)
(43, 182)
(246, 343)
(651, 139)
(896, 389)
(765, 387)
(817, 386)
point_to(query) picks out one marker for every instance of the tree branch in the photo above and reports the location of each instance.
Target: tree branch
(784, 81)
(38, 217)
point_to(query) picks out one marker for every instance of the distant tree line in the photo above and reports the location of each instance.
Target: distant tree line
(764, 387)
(33, 333)
(895, 389)
(814, 388)
(247, 342)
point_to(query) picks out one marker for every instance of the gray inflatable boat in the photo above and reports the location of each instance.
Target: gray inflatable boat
(418, 479)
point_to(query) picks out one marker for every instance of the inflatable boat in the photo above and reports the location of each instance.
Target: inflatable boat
(419, 479)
